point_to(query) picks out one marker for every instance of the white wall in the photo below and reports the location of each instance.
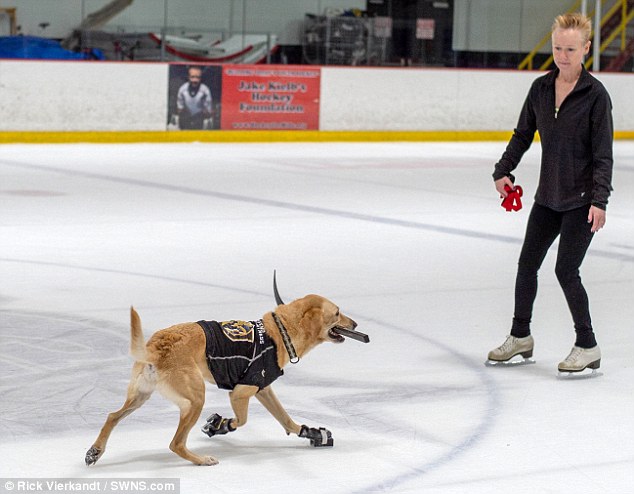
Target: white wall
(442, 99)
(424, 99)
(99, 96)
(60, 96)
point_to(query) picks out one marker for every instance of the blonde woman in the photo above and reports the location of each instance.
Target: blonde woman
(573, 113)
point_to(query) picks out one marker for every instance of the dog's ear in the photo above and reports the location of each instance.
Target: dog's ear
(313, 321)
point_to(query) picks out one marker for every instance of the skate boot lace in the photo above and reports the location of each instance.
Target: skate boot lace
(507, 345)
(574, 354)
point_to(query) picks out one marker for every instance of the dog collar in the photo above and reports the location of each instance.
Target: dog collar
(286, 339)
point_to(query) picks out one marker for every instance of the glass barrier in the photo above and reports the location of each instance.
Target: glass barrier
(413, 33)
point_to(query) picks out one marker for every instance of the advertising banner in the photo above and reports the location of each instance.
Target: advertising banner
(270, 97)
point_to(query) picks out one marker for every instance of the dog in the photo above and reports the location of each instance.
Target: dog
(178, 360)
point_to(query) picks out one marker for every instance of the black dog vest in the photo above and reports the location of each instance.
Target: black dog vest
(240, 352)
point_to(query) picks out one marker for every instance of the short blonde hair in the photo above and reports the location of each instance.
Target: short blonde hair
(576, 21)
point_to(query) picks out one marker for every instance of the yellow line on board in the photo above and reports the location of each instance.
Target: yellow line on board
(259, 136)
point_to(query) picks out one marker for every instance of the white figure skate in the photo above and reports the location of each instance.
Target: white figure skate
(514, 351)
(581, 363)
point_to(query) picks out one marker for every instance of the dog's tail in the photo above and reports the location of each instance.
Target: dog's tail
(137, 341)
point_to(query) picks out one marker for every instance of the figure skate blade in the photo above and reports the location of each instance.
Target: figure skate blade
(586, 373)
(515, 361)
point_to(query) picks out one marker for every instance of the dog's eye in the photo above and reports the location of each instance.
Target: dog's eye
(337, 313)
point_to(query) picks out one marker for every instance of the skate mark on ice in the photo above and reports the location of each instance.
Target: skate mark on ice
(492, 407)
(134, 273)
(259, 201)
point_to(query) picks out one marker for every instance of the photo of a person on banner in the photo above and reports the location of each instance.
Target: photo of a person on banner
(193, 103)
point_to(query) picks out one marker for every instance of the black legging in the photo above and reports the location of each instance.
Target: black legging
(573, 229)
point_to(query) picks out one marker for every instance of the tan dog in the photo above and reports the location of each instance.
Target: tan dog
(176, 360)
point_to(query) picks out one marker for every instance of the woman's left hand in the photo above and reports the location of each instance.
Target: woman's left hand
(596, 216)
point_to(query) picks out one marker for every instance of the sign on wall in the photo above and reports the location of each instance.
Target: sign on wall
(270, 97)
(425, 28)
(194, 97)
(382, 27)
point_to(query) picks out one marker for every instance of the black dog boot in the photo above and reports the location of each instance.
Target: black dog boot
(216, 425)
(318, 437)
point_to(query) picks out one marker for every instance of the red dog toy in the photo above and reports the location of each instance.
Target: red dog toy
(513, 201)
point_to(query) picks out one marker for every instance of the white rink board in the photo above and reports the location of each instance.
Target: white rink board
(113, 96)
(82, 96)
(421, 99)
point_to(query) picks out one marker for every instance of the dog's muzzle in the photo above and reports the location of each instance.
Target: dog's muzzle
(337, 333)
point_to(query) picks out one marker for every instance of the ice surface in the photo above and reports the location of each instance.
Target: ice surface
(409, 239)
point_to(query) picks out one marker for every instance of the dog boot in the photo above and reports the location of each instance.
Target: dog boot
(318, 437)
(216, 425)
(512, 347)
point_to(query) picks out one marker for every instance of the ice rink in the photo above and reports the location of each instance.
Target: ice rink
(409, 239)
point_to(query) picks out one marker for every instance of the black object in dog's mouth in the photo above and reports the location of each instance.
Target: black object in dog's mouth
(337, 334)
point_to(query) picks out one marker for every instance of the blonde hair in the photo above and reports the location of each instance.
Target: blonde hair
(576, 21)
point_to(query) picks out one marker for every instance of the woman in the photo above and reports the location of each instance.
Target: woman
(573, 113)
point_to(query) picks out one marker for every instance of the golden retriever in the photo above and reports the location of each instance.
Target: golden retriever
(176, 360)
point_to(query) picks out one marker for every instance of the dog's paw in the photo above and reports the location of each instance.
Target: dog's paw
(209, 461)
(92, 455)
(318, 437)
(217, 425)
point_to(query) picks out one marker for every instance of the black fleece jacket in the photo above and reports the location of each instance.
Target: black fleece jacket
(576, 165)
